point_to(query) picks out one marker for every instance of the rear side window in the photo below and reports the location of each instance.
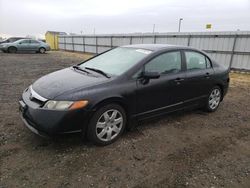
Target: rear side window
(169, 62)
(195, 60)
(34, 42)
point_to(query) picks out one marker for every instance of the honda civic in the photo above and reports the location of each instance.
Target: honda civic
(111, 92)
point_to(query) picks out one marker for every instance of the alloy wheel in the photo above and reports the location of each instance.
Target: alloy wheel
(42, 50)
(214, 99)
(109, 125)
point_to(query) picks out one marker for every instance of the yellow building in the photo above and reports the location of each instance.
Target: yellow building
(51, 38)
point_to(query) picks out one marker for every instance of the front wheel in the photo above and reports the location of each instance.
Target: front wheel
(107, 124)
(12, 49)
(214, 99)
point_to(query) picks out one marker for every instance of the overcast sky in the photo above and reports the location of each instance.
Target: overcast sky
(35, 17)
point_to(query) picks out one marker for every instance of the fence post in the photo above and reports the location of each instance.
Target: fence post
(130, 40)
(83, 43)
(64, 42)
(72, 39)
(233, 49)
(111, 42)
(96, 44)
(189, 38)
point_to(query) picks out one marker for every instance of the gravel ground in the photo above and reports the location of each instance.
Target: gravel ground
(185, 149)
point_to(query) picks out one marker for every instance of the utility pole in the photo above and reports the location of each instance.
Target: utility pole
(179, 30)
(153, 28)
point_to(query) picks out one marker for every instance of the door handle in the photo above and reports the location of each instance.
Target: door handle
(207, 75)
(179, 79)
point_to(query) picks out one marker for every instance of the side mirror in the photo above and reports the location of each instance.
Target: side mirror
(146, 76)
(151, 75)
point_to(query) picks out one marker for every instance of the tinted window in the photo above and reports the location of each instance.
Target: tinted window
(165, 63)
(195, 60)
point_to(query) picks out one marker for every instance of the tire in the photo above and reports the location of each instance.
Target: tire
(12, 49)
(107, 124)
(213, 100)
(42, 50)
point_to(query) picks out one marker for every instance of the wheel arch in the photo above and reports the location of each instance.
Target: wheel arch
(222, 90)
(120, 101)
(41, 47)
(11, 47)
(117, 100)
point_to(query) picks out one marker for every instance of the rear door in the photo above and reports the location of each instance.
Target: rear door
(198, 75)
(34, 45)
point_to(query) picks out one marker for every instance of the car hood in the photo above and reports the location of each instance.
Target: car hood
(65, 80)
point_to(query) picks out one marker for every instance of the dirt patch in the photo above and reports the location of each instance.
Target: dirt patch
(185, 149)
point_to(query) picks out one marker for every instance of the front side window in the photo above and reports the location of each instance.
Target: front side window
(195, 60)
(25, 42)
(169, 62)
(116, 61)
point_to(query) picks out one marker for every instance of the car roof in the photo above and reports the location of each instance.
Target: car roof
(156, 47)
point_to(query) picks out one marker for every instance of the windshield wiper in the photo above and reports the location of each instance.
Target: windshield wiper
(99, 71)
(78, 68)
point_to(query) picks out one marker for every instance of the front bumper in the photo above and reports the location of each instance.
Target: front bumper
(45, 122)
(32, 129)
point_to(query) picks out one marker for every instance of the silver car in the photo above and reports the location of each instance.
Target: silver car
(25, 45)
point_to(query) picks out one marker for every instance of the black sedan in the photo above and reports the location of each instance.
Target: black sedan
(113, 90)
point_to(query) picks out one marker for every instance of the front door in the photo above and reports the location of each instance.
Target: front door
(165, 92)
(24, 45)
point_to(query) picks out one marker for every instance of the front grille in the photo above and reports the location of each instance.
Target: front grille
(37, 101)
(35, 97)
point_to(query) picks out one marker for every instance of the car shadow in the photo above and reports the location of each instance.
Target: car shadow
(76, 140)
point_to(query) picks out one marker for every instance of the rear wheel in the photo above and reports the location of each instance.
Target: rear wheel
(107, 124)
(12, 49)
(214, 99)
(42, 50)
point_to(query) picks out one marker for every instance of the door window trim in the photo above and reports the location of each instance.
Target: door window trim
(142, 68)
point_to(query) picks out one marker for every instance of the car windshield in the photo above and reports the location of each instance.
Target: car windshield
(116, 61)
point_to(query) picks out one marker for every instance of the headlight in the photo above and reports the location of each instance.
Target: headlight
(64, 105)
